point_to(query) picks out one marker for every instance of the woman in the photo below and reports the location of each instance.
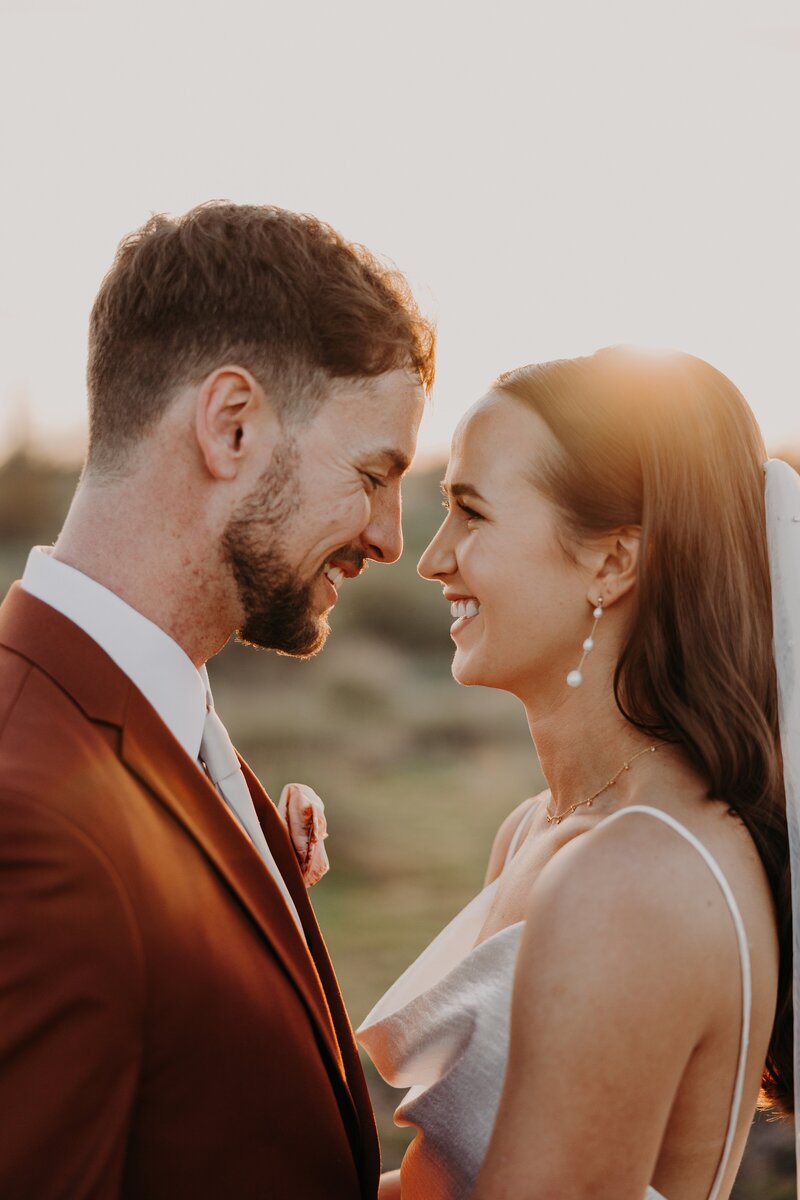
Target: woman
(602, 1019)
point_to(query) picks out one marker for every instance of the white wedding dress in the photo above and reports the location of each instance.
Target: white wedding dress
(442, 1030)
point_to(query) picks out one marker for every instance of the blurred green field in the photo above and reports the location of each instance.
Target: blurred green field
(416, 773)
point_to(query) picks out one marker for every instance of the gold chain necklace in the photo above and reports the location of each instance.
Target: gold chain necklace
(557, 818)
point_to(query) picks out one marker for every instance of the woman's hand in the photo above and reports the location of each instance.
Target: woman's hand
(304, 814)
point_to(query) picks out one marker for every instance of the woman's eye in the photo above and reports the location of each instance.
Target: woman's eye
(470, 513)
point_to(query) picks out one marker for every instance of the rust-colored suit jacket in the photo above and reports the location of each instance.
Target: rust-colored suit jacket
(164, 1032)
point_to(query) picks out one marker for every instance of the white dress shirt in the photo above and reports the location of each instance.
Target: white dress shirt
(152, 660)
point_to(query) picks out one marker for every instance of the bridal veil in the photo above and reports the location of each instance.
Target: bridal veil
(783, 535)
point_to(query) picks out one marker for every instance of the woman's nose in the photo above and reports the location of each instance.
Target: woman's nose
(438, 559)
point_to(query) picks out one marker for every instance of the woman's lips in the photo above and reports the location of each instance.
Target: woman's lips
(466, 606)
(464, 609)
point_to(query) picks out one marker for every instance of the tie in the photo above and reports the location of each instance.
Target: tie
(219, 757)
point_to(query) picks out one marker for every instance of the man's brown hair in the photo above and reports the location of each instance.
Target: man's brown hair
(277, 292)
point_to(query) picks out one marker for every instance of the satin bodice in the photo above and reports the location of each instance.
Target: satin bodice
(442, 1031)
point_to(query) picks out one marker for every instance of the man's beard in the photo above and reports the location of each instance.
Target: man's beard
(277, 603)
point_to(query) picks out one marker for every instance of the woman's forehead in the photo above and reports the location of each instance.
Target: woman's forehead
(499, 434)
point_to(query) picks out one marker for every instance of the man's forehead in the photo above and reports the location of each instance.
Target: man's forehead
(375, 420)
(374, 442)
(388, 414)
(398, 387)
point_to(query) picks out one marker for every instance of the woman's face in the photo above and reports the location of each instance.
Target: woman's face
(499, 558)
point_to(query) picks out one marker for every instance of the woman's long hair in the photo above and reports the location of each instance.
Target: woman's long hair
(668, 443)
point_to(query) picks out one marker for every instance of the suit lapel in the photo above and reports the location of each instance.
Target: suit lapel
(153, 755)
(281, 847)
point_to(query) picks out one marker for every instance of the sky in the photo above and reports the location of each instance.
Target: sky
(551, 176)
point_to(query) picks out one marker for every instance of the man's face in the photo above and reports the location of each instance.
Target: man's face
(328, 502)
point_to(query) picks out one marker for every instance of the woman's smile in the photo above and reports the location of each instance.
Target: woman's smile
(464, 610)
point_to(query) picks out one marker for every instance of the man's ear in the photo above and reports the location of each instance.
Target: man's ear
(232, 416)
(617, 567)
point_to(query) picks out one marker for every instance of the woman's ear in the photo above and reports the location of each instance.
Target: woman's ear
(617, 567)
(231, 411)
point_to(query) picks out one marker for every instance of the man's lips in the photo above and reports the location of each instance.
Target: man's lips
(335, 575)
(339, 568)
(331, 592)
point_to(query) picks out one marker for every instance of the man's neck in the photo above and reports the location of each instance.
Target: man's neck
(151, 559)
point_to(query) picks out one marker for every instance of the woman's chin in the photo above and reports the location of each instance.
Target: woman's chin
(466, 672)
(469, 671)
(459, 668)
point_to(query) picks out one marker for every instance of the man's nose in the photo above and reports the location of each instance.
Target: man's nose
(383, 537)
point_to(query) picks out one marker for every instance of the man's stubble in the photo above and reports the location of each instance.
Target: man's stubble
(276, 602)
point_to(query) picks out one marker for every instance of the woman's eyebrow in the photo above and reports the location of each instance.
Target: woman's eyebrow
(462, 489)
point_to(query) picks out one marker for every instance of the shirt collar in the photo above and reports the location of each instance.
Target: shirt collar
(151, 659)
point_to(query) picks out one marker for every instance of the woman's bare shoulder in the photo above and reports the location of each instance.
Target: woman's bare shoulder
(614, 989)
(505, 833)
(636, 881)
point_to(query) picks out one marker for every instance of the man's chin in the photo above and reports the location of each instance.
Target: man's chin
(299, 643)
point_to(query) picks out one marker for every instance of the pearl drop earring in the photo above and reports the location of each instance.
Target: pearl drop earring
(575, 678)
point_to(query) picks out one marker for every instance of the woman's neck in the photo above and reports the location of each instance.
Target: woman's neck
(582, 740)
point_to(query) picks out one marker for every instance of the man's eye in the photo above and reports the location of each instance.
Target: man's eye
(373, 480)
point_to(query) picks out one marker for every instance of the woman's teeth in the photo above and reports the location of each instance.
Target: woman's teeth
(334, 574)
(464, 608)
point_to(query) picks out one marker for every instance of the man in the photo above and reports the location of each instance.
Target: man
(170, 1024)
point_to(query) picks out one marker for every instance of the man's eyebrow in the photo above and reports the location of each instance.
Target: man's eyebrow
(397, 462)
(462, 489)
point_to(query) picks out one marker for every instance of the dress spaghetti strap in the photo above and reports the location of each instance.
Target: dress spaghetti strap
(744, 959)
